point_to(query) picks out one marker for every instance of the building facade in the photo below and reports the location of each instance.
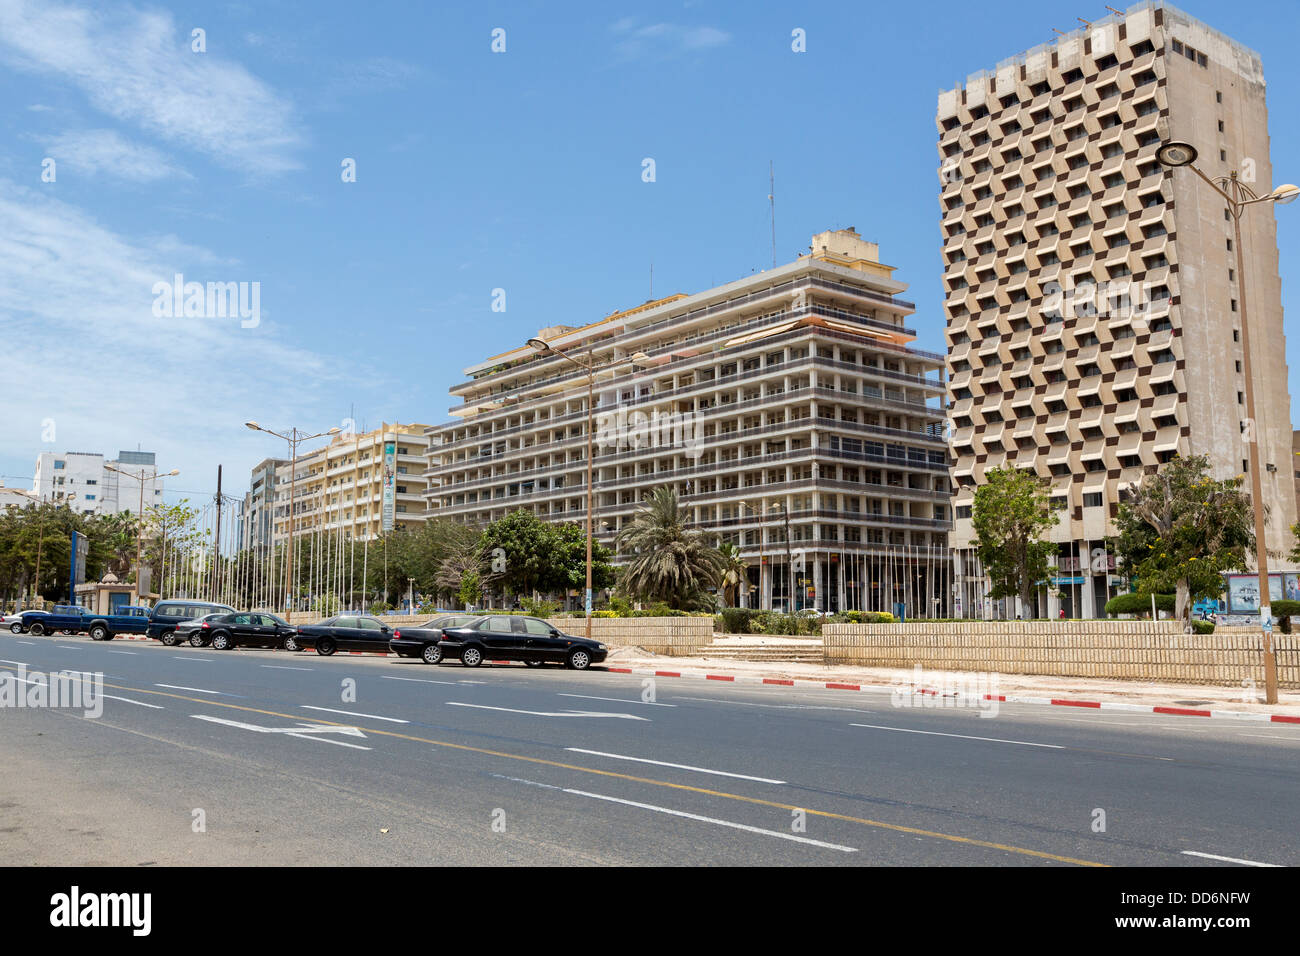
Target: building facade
(787, 409)
(1093, 305)
(81, 481)
(340, 488)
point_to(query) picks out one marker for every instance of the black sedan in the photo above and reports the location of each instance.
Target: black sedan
(422, 641)
(347, 632)
(513, 637)
(194, 631)
(248, 629)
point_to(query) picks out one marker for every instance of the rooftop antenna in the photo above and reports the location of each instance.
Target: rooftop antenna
(1113, 10)
(1058, 32)
(1086, 23)
(771, 201)
(652, 281)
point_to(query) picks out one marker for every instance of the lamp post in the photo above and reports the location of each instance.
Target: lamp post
(589, 368)
(139, 516)
(1238, 196)
(294, 437)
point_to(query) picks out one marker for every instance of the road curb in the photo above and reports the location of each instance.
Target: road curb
(1167, 711)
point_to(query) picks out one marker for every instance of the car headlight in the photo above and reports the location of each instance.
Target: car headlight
(601, 647)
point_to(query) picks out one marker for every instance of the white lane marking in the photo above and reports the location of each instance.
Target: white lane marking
(619, 700)
(677, 766)
(122, 652)
(186, 657)
(747, 703)
(1228, 859)
(282, 667)
(471, 682)
(197, 690)
(419, 680)
(138, 703)
(543, 713)
(19, 663)
(352, 713)
(25, 642)
(299, 731)
(935, 733)
(714, 820)
(1270, 736)
(67, 647)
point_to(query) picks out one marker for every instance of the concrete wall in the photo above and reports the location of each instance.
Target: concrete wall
(672, 636)
(1123, 650)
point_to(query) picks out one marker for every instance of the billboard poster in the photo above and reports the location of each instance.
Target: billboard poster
(390, 470)
(1243, 591)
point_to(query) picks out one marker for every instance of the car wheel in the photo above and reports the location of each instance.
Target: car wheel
(432, 654)
(169, 639)
(221, 642)
(38, 630)
(196, 640)
(291, 644)
(99, 633)
(533, 663)
(471, 657)
(324, 647)
(579, 660)
(16, 627)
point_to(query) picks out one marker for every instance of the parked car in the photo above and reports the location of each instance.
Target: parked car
(128, 619)
(347, 632)
(423, 641)
(68, 618)
(192, 631)
(248, 629)
(513, 637)
(167, 615)
(15, 621)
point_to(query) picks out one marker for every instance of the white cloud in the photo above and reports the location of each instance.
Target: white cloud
(663, 39)
(96, 151)
(84, 348)
(136, 66)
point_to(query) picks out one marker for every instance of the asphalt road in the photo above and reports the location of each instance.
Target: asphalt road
(264, 757)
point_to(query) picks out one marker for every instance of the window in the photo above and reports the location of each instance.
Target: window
(1092, 499)
(59, 465)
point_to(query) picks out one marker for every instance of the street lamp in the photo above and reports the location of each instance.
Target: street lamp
(139, 516)
(589, 368)
(293, 437)
(1238, 196)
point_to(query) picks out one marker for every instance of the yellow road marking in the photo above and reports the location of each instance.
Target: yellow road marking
(827, 814)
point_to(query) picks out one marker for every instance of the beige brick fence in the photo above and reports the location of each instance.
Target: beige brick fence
(671, 636)
(1122, 650)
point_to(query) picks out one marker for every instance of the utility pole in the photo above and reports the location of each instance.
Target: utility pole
(216, 542)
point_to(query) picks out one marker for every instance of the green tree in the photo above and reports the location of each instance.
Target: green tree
(667, 562)
(1180, 530)
(735, 573)
(566, 566)
(1011, 511)
(523, 540)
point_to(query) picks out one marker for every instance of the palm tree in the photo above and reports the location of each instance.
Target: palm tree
(669, 563)
(735, 573)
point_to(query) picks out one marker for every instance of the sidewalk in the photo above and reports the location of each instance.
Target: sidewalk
(1168, 698)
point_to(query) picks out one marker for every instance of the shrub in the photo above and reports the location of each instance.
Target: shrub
(380, 607)
(1139, 603)
(1202, 627)
(539, 608)
(736, 620)
(1283, 611)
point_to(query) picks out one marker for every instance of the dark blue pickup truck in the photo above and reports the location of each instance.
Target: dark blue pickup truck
(61, 617)
(127, 619)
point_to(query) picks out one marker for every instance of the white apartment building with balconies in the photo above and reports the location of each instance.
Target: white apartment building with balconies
(790, 399)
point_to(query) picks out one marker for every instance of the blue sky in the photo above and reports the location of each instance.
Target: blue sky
(474, 171)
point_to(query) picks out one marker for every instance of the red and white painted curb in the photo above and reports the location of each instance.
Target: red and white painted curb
(1009, 699)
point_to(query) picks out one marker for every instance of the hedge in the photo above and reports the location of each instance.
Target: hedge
(1139, 604)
